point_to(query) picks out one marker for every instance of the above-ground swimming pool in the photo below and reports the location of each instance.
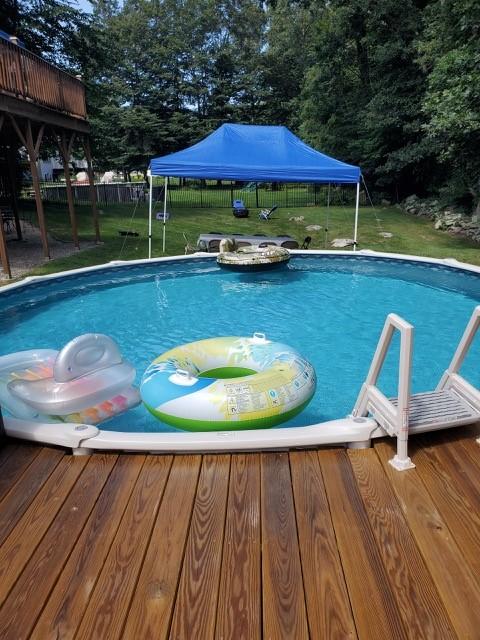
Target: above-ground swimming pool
(330, 307)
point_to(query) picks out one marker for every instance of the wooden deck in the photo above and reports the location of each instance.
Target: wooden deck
(313, 544)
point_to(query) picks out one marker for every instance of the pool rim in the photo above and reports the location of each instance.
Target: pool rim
(84, 439)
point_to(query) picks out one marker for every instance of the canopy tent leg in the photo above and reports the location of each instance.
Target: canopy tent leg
(150, 198)
(327, 221)
(164, 211)
(357, 203)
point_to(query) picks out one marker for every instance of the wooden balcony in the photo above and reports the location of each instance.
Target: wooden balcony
(33, 88)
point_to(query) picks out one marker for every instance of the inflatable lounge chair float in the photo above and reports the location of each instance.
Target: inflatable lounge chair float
(86, 382)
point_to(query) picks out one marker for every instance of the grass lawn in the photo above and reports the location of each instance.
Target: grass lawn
(411, 235)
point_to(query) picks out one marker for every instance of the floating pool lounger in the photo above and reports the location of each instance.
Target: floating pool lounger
(86, 382)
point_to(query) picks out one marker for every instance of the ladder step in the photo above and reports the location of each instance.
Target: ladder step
(439, 408)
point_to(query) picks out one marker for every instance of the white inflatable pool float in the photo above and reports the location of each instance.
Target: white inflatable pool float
(86, 382)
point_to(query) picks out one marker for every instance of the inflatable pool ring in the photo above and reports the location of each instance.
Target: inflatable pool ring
(254, 258)
(228, 383)
(86, 382)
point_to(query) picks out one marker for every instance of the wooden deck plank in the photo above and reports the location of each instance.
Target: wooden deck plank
(328, 607)
(418, 600)
(196, 603)
(71, 594)
(453, 481)
(109, 602)
(6, 451)
(284, 612)
(23, 492)
(105, 549)
(25, 601)
(30, 529)
(154, 597)
(15, 465)
(374, 606)
(472, 449)
(455, 582)
(239, 613)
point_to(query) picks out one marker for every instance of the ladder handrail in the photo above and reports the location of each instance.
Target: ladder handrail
(393, 323)
(463, 347)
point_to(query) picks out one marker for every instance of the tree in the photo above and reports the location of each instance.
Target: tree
(53, 29)
(362, 99)
(288, 57)
(450, 54)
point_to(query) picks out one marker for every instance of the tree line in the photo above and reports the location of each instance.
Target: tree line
(391, 86)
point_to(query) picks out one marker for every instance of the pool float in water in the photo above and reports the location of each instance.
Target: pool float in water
(228, 383)
(86, 382)
(254, 258)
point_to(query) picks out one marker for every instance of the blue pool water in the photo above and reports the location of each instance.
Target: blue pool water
(330, 308)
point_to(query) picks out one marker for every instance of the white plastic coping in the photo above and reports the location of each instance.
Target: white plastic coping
(346, 431)
(353, 431)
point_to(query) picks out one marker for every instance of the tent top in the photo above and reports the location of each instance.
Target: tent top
(255, 153)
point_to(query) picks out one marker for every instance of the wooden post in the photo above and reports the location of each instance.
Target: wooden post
(11, 174)
(3, 251)
(33, 151)
(65, 148)
(91, 182)
(3, 242)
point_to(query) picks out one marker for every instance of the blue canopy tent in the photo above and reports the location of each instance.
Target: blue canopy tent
(253, 153)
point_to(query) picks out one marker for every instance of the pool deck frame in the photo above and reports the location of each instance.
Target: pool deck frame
(84, 439)
(308, 544)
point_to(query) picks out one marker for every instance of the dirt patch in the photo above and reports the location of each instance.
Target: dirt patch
(26, 254)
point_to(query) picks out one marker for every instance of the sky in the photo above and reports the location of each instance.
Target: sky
(84, 5)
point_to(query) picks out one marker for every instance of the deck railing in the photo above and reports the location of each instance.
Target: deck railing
(27, 77)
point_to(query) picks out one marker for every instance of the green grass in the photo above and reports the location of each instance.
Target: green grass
(411, 235)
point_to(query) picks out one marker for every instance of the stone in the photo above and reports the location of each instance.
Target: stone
(313, 227)
(386, 234)
(341, 243)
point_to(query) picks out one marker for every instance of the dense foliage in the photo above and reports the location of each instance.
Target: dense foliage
(391, 86)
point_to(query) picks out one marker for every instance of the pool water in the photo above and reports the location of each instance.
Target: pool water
(330, 308)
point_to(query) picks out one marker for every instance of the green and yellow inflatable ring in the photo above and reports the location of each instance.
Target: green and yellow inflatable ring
(228, 383)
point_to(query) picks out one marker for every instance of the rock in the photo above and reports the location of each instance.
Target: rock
(451, 219)
(340, 243)
(386, 234)
(296, 219)
(313, 227)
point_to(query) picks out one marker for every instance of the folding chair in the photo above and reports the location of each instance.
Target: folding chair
(266, 213)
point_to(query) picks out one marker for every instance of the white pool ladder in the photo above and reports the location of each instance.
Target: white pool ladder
(454, 402)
